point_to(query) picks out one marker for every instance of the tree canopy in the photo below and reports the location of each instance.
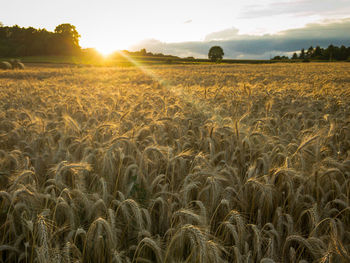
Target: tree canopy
(18, 41)
(69, 32)
(331, 53)
(216, 53)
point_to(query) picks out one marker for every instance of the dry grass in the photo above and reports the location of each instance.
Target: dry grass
(243, 163)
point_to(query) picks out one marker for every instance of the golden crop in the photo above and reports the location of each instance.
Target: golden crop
(197, 163)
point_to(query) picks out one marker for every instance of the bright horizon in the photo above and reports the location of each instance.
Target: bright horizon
(116, 25)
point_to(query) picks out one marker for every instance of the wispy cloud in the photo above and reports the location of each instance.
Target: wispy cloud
(230, 33)
(297, 8)
(249, 46)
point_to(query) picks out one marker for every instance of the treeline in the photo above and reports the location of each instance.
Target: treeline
(18, 41)
(143, 53)
(331, 53)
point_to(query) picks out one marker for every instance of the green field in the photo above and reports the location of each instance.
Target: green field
(123, 61)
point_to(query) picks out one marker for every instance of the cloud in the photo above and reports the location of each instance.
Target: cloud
(226, 34)
(183, 49)
(327, 29)
(258, 47)
(297, 8)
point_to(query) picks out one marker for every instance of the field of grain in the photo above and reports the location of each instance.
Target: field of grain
(201, 163)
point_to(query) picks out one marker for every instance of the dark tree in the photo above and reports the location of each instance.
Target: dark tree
(67, 39)
(343, 54)
(143, 52)
(216, 53)
(69, 32)
(17, 41)
(295, 56)
(310, 52)
(280, 58)
(317, 53)
(330, 52)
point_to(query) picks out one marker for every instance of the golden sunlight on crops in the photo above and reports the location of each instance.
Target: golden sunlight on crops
(197, 163)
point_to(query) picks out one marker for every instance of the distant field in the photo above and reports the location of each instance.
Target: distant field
(175, 163)
(125, 62)
(81, 60)
(58, 61)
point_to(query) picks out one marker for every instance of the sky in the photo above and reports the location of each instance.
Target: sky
(249, 29)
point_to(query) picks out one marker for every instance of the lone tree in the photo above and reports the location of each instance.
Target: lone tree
(67, 39)
(216, 53)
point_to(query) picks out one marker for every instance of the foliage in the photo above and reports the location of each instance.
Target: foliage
(142, 53)
(280, 58)
(204, 163)
(330, 53)
(216, 53)
(17, 42)
(69, 32)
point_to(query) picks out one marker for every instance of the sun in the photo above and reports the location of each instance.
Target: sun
(108, 45)
(107, 48)
(106, 51)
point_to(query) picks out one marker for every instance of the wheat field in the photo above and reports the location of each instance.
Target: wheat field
(195, 163)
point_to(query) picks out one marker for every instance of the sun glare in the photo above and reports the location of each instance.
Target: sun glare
(105, 52)
(108, 46)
